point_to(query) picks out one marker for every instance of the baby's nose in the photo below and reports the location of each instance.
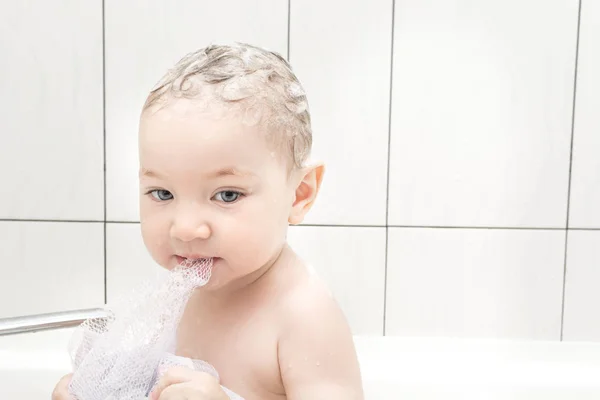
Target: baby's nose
(186, 231)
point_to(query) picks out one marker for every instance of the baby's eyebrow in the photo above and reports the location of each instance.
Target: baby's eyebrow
(148, 173)
(221, 172)
(230, 171)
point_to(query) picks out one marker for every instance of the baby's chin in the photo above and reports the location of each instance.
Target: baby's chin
(227, 278)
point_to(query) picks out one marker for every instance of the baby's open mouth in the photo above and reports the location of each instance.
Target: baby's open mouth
(191, 261)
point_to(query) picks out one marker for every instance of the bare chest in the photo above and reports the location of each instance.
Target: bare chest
(241, 344)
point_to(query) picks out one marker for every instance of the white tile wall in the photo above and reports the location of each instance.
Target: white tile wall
(475, 282)
(341, 52)
(51, 110)
(481, 130)
(482, 99)
(352, 262)
(128, 263)
(582, 294)
(50, 266)
(143, 39)
(585, 178)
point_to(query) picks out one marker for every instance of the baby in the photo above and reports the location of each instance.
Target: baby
(223, 141)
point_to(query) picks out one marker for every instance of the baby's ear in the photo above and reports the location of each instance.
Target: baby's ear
(310, 179)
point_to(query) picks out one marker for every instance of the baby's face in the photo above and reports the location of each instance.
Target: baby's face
(211, 187)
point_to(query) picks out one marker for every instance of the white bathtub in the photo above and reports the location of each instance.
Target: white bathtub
(392, 368)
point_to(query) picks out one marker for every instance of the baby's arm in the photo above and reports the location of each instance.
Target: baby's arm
(317, 358)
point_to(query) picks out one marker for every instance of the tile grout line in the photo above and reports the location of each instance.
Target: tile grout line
(573, 112)
(387, 188)
(104, 141)
(466, 227)
(86, 221)
(492, 228)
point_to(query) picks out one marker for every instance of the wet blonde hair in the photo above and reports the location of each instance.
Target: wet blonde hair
(255, 81)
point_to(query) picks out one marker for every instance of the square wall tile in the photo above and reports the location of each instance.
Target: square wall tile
(585, 175)
(475, 283)
(50, 267)
(128, 263)
(482, 106)
(51, 102)
(144, 38)
(582, 283)
(351, 261)
(341, 52)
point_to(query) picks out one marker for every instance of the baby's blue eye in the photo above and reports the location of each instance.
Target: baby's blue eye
(227, 196)
(161, 194)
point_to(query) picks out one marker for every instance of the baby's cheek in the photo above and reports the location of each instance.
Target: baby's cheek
(155, 240)
(252, 236)
(255, 246)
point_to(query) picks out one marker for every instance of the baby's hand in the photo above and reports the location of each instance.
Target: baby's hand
(61, 391)
(184, 383)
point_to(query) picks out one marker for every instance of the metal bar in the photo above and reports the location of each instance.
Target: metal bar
(41, 322)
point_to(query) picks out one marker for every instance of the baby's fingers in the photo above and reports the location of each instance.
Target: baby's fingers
(175, 376)
(61, 391)
(177, 391)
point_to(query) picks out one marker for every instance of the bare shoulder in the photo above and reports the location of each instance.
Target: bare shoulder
(316, 349)
(308, 300)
